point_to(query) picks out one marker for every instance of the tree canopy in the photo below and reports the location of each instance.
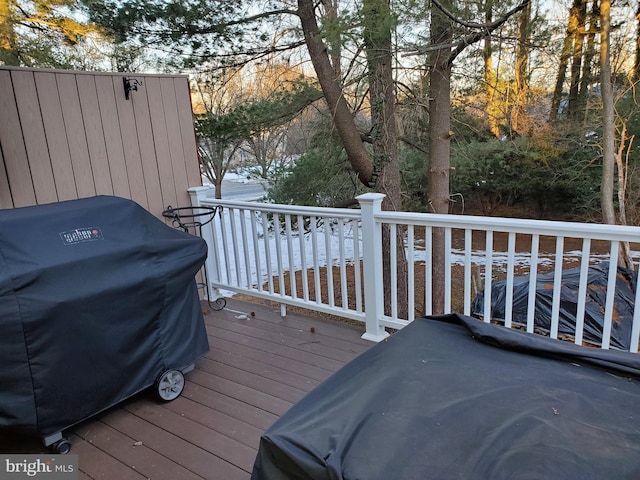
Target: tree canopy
(523, 79)
(35, 32)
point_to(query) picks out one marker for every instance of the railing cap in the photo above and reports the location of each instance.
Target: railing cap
(198, 194)
(371, 197)
(199, 189)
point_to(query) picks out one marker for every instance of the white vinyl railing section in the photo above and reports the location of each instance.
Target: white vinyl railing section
(331, 260)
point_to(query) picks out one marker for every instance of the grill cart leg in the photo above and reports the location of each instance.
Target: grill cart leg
(57, 443)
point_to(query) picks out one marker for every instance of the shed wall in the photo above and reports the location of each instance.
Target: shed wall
(69, 134)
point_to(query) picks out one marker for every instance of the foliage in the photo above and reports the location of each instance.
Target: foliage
(221, 134)
(529, 167)
(628, 121)
(253, 116)
(543, 175)
(320, 177)
(45, 33)
(193, 32)
(414, 179)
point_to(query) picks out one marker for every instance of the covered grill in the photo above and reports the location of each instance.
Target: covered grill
(98, 301)
(452, 397)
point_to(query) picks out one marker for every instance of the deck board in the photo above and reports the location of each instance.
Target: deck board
(98, 464)
(275, 373)
(258, 366)
(286, 351)
(236, 428)
(230, 406)
(125, 447)
(224, 348)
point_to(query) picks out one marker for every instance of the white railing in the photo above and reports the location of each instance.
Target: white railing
(330, 260)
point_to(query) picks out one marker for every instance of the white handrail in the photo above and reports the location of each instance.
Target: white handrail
(330, 260)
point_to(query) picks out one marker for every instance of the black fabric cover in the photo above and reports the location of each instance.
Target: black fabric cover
(455, 398)
(624, 302)
(97, 299)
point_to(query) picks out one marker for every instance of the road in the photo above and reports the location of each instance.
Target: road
(236, 189)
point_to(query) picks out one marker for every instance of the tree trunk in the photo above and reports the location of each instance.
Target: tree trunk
(443, 53)
(384, 134)
(636, 67)
(343, 118)
(439, 143)
(335, 46)
(608, 119)
(490, 77)
(218, 188)
(384, 166)
(580, 7)
(587, 67)
(624, 260)
(522, 68)
(567, 48)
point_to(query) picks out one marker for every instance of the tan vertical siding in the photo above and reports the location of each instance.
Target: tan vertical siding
(187, 133)
(56, 135)
(112, 137)
(148, 161)
(131, 146)
(13, 148)
(35, 142)
(66, 135)
(161, 139)
(170, 107)
(95, 134)
(76, 135)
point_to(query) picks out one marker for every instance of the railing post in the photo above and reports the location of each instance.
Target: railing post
(370, 204)
(198, 195)
(211, 274)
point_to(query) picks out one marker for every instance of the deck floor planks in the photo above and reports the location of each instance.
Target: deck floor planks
(244, 393)
(197, 449)
(315, 342)
(272, 348)
(302, 322)
(235, 428)
(277, 374)
(141, 458)
(224, 348)
(304, 331)
(261, 419)
(257, 367)
(276, 388)
(196, 434)
(97, 464)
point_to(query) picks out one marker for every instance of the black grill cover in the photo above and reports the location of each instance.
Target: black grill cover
(461, 399)
(97, 299)
(596, 295)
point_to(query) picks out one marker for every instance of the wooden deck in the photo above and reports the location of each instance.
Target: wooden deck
(258, 366)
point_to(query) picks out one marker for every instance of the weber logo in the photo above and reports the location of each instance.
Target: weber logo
(52, 467)
(79, 235)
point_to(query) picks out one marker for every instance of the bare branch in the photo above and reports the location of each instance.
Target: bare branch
(485, 30)
(481, 26)
(245, 20)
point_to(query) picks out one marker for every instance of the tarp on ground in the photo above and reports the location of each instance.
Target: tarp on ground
(97, 299)
(595, 301)
(455, 398)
